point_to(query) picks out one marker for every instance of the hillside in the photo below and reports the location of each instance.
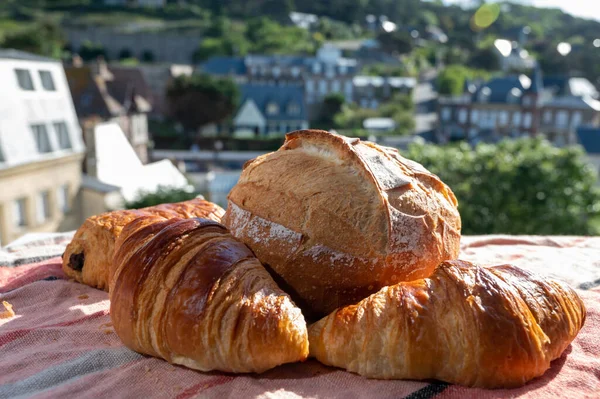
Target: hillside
(469, 31)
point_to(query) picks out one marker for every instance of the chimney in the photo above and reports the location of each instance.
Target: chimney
(77, 61)
(100, 68)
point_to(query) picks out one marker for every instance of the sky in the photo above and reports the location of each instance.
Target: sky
(580, 8)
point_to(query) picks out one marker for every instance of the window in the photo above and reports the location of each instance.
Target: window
(474, 116)
(348, 88)
(562, 119)
(548, 117)
(516, 119)
(20, 212)
(446, 114)
(503, 118)
(276, 71)
(336, 86)
(374, 104)
(47, 81)
(295, 71)
(63, 198)
(527, 101)
(330, 71)
(343, 69)
(462, 116)
(293, 109)
(316, 68)
(323, 87)
(576, 120)
(310, 86)
(40, 134)
(62, 133)
(272, 108)
(527, 120)
(24, 79)
(43, 207)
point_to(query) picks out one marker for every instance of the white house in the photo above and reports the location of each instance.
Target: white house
(41, 146)
(118, 173)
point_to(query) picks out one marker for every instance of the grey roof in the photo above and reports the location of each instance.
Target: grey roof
(497, 90)
(262, 95)
(22, 55)
(224, 66)
(589, 138)
(565, 85)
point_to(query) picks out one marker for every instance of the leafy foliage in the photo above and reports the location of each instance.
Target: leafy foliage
(523, 186)
(44, 38)
(163, 195)
(259, 35)
(400, 108)
(200, 99)
(451, 80)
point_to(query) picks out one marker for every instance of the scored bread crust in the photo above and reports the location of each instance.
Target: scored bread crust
(337, 218)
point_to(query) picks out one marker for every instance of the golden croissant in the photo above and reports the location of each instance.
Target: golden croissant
(88, 256)
(186, 291)
(485, 327)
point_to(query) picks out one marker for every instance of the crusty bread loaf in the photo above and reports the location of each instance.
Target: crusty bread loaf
(337, 219)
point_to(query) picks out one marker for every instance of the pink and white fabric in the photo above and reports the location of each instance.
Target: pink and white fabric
(61, 342)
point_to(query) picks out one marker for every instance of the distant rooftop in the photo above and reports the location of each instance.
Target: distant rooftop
(589, 138)
(22, 55)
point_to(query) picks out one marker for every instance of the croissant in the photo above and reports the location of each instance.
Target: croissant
(186, 291)
(88, 256)
(469, 325)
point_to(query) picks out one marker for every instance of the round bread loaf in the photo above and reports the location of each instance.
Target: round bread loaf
(337, 218)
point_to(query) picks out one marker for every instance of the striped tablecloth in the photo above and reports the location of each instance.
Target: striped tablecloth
(61, 342)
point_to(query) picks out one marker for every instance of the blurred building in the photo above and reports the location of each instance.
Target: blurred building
(139, 3)
(117, 175)
(146, 41)
(589, 138)
(158, 77)
(519, 106)
(512, 56)
(267, 109)
(41, 147)
(329, 72)
(102, 93)
(370, 91)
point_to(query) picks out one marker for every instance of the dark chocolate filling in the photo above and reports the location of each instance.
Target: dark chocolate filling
(76, 261)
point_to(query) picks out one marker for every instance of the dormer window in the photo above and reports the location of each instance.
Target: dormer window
(484, 95)
(293, 108)
(24, 79)
(316, 68)
(40, 135)
(272, 108)
(47, 81)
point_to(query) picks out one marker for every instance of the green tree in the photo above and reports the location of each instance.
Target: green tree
(397, 42)
(125, 53)
(164, 195)
(200, 99)
(147, 56)
(332, 104)
(451, 80)
(90, 51)
(45, 38)
(523, 186)
(486, 59)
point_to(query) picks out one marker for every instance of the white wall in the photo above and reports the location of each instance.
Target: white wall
(19, 109)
